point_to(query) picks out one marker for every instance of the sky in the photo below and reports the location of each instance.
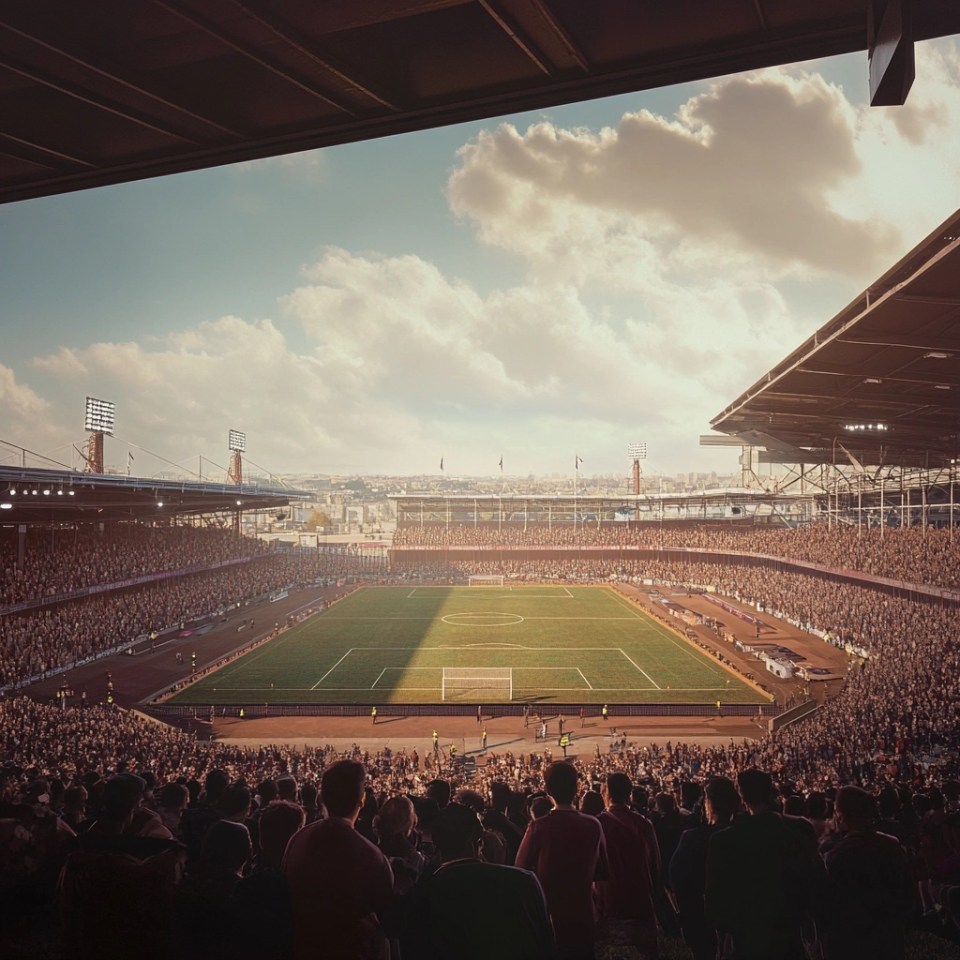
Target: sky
(537, 287)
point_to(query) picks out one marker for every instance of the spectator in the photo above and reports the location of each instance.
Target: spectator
(759, 881)
(688, 867)
(871, 893)
(117, 888)
(339, 881)
(473, 910)
(208, 923)
(565, 850)
(626, 899)
(262, 898)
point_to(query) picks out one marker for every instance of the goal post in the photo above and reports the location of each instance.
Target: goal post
(485, 580)
(477, 683)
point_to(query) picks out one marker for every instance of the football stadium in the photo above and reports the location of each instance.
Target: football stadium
(703, 722)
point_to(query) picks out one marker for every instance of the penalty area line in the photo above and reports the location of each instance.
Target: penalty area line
(637, 665)
(334, 667)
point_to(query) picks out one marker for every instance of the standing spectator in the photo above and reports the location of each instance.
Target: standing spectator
(495, 818)
(443, 920)
(339, 881)
(565, 850)
(870, 890)
(208, 925)
(118, 886)
(626, 898)
(172, 801)
(308, 798)
(688, 867)
(262, 898)
(669, 824)
(196, 820)
(760, 882)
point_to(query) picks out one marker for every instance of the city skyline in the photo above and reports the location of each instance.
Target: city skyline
(540, 288)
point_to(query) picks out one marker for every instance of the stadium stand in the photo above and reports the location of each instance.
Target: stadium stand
(79, 594)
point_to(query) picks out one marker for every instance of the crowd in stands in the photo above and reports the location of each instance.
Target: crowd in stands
(143, 834)
(59, 561)
(58, 633)
(923, 555)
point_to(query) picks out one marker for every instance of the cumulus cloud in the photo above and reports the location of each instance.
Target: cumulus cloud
(27, 419)
(745, 168)
(18, 400)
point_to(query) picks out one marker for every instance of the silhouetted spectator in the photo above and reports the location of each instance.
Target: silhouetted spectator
(626, 899)
(871, 893)
(760, 880)
(688, 867)
(339, 881)
(473, 910)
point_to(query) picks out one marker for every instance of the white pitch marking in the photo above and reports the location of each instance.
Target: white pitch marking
(637, 665)
(375, 682)
(585, 680)
(334, 667)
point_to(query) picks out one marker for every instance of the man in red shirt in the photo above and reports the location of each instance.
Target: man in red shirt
(626, 899)
(339, 882)
(565, 849)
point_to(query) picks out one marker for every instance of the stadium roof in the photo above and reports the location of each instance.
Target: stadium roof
(879, 383)
(108, 91)
(62, 496)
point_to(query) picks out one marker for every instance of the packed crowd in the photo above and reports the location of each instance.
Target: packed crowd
(913, 554)
(60, 635)
(196, 849)
(57, 636)
(57, 562)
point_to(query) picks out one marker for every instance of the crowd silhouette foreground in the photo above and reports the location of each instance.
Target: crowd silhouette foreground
(134, 832)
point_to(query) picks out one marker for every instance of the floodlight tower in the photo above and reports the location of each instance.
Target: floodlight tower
(637, 452)
(237, 444)
(99, 420)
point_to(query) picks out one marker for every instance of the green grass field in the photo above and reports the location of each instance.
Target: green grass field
(391, 645)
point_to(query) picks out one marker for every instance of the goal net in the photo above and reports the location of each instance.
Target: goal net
(486, 580)
(477, 683)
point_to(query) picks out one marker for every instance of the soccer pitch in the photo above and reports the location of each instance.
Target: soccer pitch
(570, 645)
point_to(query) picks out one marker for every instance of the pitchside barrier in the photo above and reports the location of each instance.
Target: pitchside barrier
(569, 711)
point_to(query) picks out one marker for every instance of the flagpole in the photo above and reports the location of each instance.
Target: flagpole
(576, 474)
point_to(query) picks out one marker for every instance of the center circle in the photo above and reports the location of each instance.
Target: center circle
(482, 619)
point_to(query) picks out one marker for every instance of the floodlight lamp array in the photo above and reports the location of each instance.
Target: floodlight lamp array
(22, 494)
(637, 451)
(237, 441)
(99, 415)
(868, 427)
